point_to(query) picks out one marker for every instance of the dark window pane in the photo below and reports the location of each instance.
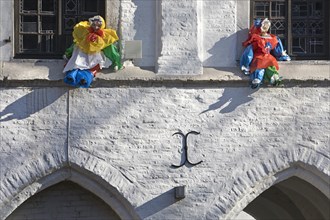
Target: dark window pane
(89, 6)
(299, 9)
(47, 43)
(30, 42)
(261, 9)
(71, 7)
(316, 46)
(30, 5)
(48, 24)
(278, 27)
(48, 5)
(316, 27)
(315, 9)
(69, 23)
(30, 24)
(278, 9)
(299, 28)
(299, 45)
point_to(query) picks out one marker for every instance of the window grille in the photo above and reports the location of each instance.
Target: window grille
(302, 25)
(44, 27)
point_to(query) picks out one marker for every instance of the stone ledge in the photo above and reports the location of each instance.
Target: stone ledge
(48, 73)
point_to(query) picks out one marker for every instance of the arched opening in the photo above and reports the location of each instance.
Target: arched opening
(64, 200)
(107, 191)
(293, 199)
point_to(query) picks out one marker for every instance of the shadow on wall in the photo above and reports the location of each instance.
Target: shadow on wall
(4, 42)
(226, 51)
(231, 99)
(223, 52)
(54, 68)
(29, 104)
(157, 204)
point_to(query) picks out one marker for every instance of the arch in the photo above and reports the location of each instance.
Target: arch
(86, 179)
(310, 167)
(292, 198)
(303, 171)
(65, 200)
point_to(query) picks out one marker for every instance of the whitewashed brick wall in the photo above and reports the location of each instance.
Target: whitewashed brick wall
(118, 142)
(138, 22)
(124, 137)
(6, 31)
(65, 200)
(180, 37)
(179, 53)
(220, 33)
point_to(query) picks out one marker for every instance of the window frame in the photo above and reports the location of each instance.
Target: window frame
(288, 35)
(62, 39)
(18, 34)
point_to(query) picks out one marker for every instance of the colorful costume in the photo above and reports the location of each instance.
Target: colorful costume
(93, 49)
(261, 54)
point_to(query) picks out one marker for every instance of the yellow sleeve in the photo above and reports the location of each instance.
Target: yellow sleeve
(110, 37)
(80, 32)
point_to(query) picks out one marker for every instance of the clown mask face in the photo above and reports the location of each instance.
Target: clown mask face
(265, 25)
(95, 23)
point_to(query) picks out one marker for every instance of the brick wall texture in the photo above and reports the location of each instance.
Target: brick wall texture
(114, 146)
(123, 137)
(64, 201)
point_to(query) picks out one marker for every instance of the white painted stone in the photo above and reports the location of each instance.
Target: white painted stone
(138, 22)
(220, 33)
(118, 142)
(179, 50)
(6, 29)
(129, 130)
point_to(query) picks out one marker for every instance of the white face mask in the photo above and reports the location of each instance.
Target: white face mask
(95, 22)
(265, 25)
(96, 25)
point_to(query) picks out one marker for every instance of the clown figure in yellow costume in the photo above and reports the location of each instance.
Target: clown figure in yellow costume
(92, 49)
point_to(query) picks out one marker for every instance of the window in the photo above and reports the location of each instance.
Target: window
(43, 27)
(302, 25)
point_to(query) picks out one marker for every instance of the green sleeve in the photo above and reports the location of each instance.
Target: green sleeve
(68, 51)
(112, 53)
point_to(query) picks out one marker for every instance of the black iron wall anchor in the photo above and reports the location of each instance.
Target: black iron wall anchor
(185, 147)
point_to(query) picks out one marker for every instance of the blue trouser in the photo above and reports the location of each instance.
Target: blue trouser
(258, 74)
(246, 58)
(79, 78)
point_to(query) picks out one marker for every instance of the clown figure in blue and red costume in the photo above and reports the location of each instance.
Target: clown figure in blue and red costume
(259, 59)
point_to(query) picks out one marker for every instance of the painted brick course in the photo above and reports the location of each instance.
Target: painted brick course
(219, 33)
(64, 201)
(180, 44)
(124, 136)
(118, 143)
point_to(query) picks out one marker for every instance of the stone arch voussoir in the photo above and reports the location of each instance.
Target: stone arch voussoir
(304, 163)
(27, 180)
